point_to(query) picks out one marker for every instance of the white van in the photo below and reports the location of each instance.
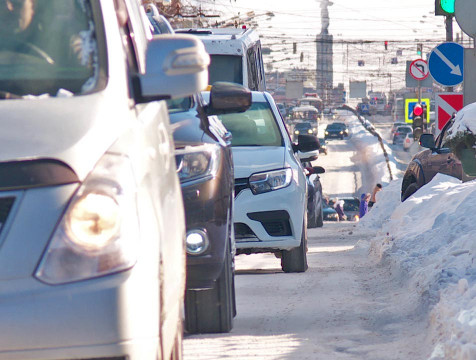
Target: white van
(235, 56)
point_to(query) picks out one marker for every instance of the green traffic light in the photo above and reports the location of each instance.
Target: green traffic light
(448, 6)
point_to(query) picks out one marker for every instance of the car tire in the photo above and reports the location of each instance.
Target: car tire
(212, 311)
(409, 191)
(295, 260)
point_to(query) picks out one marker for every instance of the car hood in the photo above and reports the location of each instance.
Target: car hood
(75, 130)
(253, 159)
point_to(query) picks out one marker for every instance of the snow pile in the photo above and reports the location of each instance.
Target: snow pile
(465, 120)
(429, 240)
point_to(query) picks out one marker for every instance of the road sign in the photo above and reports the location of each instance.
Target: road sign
(410, 82)
(446, 64)
(446, 105)
(419, 69)
(364, 108)
(410, 104)
(465, 12)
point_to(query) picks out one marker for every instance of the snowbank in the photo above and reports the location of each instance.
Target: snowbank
(430, 240)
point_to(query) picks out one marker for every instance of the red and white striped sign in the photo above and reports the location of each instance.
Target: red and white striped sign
(446, 105)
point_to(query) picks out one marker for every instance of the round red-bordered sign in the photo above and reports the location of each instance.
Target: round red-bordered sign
(419, 69)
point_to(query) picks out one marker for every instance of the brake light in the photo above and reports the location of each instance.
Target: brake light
(397, 133)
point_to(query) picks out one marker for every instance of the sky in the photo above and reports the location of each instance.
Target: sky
(403, 23)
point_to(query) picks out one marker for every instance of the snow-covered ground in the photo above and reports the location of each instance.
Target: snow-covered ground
(430, 242)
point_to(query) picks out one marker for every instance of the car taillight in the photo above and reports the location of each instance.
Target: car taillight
(396, 134)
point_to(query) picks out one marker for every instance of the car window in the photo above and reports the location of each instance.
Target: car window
(225, 68)
(56, 50)
(180, 105)
(404, 129)
(255, 127)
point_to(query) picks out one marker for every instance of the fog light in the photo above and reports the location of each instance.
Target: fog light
(197, 242)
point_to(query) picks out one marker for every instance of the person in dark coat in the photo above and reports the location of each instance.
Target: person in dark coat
(364, 205)
(339, 208)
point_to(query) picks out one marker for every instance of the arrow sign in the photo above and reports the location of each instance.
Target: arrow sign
(454, 69)
(446, 63)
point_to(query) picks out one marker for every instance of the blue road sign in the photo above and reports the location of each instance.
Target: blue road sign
(446, 64)
(364, 108)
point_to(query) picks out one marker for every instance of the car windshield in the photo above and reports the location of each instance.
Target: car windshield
(333, 127)
(225, 68)
(47, 47)
(255, 127)
(302, 126)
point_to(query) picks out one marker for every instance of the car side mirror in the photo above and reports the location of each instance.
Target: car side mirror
(307, 143)
(227, 97)
(318, 170)
(308, 156)
(427, 141)
(176, 66)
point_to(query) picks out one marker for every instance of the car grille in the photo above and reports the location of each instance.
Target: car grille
(240, 185)
(6, 204)
(277, 228)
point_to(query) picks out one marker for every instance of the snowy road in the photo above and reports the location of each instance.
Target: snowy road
(343, 307)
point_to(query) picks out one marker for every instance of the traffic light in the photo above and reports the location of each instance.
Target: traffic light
(417, 125)
(419, 49)
(386, 45)
(294, 48)
(445, 7)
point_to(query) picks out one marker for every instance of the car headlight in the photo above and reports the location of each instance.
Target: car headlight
(309, 131)
(270, 180)
(98, 231)
(197, 162)
(341, 133)
(296, 132)
(327, 133)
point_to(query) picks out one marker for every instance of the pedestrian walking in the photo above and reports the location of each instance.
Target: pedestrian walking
(373, 197)
(364, 205)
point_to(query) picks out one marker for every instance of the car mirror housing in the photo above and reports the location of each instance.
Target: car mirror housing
(427, 141)
(176, 66)
(318, 170)
(307, 143)
(308, 156)
(227, 97)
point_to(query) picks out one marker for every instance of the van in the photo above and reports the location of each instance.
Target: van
(235, 56)
(92, 234)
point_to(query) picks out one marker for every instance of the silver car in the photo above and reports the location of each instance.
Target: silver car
(92, 250)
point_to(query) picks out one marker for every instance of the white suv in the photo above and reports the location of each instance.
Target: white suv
(270, 184)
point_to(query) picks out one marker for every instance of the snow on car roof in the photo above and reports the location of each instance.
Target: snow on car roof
(465, 120)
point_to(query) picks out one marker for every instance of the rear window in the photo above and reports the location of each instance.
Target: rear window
(404, 129)
(225, 68)
(255, 127)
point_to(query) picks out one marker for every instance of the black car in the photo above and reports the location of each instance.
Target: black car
(436, 158)
(335, 131)
(315, 202)
(304, 128)
(205, 168)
